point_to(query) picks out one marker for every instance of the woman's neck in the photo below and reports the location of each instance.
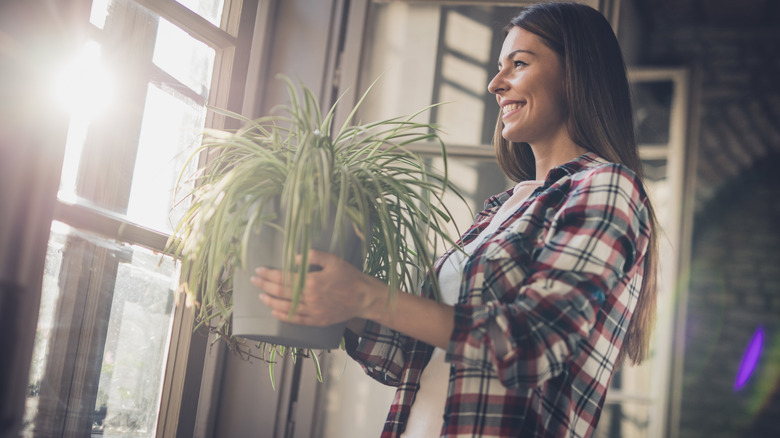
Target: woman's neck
(555, 153)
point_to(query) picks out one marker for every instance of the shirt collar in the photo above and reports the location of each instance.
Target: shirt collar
(584, 161)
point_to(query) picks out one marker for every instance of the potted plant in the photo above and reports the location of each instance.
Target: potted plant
(285, 183)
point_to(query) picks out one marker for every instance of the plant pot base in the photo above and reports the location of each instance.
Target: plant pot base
(290, 335)
(253, 320)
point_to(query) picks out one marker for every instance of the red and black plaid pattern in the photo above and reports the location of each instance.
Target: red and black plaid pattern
(543, 308)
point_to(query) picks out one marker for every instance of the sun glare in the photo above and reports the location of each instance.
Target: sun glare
(83, 87)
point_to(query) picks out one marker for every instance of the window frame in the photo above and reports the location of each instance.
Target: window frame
(233, 43)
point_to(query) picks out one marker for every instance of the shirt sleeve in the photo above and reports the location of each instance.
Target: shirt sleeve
(534, 299)
(380, 351)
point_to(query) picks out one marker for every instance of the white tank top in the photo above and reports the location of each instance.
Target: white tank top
(427, 414)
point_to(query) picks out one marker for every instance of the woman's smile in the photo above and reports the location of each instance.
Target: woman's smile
(508, 108)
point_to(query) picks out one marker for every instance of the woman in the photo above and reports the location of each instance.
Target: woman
(555, 286)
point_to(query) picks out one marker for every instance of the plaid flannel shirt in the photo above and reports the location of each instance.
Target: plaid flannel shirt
(542, 311)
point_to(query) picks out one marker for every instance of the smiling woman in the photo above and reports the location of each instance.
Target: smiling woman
(539, 291)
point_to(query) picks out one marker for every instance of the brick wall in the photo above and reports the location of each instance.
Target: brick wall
(735, 289)
(735, 276)
(739, 105)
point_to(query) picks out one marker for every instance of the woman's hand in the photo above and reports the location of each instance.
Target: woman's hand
(336, 293)
(340, 292)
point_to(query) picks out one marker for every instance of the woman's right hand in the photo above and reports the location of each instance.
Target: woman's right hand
(336, 293)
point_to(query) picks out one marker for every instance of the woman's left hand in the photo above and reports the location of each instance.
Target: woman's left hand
(336, 293)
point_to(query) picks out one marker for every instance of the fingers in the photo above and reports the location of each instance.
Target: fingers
(281, 308)
(269, 275)
(275, 282)
(314, 307)
(270, 281)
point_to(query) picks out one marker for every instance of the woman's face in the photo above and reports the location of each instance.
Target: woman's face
(529, 90)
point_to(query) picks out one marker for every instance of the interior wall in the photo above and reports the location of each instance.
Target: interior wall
(734, 288)
(733, 310)
(739, 102)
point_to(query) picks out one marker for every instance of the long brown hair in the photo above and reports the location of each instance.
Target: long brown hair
(600, 120)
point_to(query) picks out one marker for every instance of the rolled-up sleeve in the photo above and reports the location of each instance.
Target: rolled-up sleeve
(533, 300)
(380, 351)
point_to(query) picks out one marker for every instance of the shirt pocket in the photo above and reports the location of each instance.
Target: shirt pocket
(507, 260)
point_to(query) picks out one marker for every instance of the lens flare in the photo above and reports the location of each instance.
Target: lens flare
(83, 87)
(750, 359)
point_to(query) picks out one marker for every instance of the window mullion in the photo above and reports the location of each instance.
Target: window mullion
(109, 225)
(191, 22)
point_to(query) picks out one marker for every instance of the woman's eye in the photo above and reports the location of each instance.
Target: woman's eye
(520, 64)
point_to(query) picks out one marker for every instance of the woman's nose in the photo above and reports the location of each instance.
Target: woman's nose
(497, 84)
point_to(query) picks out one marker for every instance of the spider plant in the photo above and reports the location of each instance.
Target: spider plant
(295, 172)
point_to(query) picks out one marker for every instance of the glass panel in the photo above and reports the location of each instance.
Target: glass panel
(477, 180)
(211, 10)
(49, 297)
(84, 88)
(185, 58)
(658, 187)
(157, 122)
(625, 420)
(429, 53)
(653, 105)
(132, 342)
(655, 170)
(99, 12)
(136, 344)
(170, 131)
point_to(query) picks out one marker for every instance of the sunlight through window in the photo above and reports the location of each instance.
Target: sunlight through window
(84, 86)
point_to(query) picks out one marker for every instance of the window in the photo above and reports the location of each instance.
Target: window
(138, 95)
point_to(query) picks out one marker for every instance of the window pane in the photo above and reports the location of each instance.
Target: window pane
(99, 12)
(170, 131)
(134, 358)
(183, 57)
(477, 180)
(137, 287)
(211, 10)
(432, 53)
(49, 297)
(625, 420)
(136, 155)
(653, 105)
